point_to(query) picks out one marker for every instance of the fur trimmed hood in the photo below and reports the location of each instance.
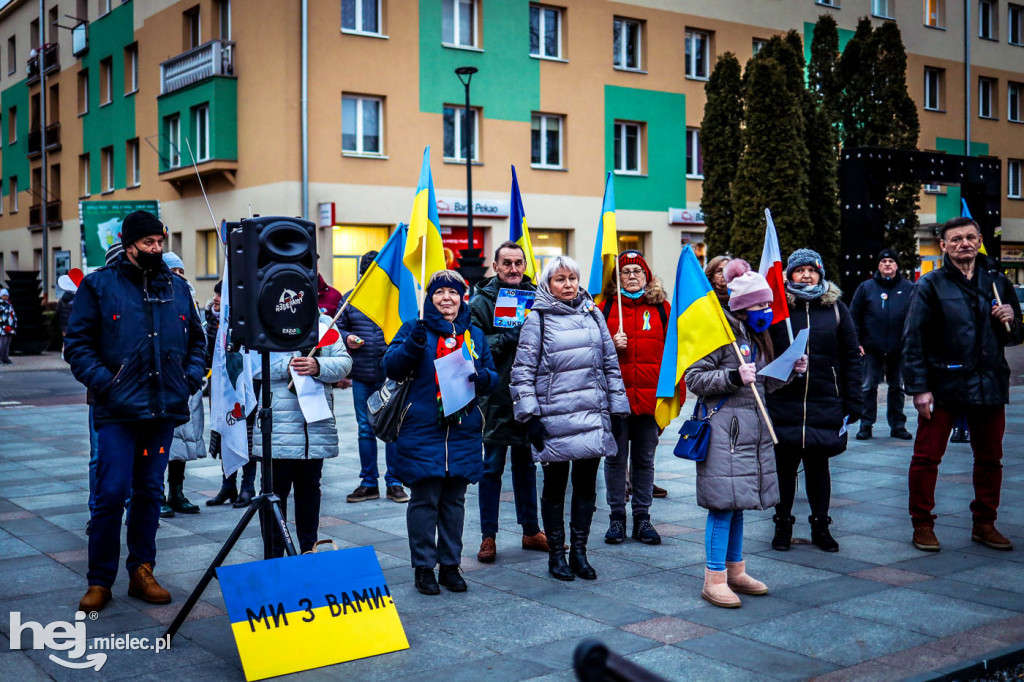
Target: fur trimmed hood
(830, 297)
(654, 292)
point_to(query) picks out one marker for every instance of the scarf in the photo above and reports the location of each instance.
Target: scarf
(455, 418)
(807, 292)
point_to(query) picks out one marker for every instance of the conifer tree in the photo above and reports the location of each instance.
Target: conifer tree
(821, 119)
(721, 144)
(823, 69)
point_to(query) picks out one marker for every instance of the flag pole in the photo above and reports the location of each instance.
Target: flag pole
(757, 399)
(999, 301)
(618, 279)
(423, 275)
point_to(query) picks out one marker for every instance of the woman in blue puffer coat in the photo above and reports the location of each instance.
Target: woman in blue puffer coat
(438, 456)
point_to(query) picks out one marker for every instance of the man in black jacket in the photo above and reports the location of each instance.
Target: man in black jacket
(135, 341)
(879, 311)
(501, 432)
(954, 363)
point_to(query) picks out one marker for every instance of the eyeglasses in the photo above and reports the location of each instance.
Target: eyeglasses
(632, 272)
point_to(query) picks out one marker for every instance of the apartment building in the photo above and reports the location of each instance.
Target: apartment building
(137, 90)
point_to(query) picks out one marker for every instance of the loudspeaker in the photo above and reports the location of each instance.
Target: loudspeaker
(273, 278)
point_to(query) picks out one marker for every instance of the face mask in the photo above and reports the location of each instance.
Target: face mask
(149, 261)
(633, 294)
(759, 320)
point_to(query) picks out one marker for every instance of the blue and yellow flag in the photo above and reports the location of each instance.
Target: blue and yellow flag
(386, 293)
(606, 248)
(966, 213)
(518, 232)
(700, 328)
(424, 252)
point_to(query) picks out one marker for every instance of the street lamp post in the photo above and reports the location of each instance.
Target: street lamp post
(470, 261)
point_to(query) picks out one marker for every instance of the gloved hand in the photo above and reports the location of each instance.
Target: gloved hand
(419, 333)
(481, 379)
(618, 425)
(536, 432)
(509, 338)
(748, 373)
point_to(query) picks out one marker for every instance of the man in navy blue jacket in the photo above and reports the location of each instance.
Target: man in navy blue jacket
(135, 341)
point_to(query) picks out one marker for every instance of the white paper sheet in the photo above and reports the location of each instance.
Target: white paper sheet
(846, 425)
(312, 399)
(782, 367)
(456, 389)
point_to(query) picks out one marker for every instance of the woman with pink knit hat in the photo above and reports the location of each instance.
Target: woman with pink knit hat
(739, 470)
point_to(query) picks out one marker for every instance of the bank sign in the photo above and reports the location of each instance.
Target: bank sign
(486, 208)
(101, 226)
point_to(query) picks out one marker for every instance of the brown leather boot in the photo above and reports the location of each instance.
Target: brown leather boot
(925, 540)
(659, 492)
(986, 534)
(96, 597)
(145, 587)
(537, 543)
(487, 552)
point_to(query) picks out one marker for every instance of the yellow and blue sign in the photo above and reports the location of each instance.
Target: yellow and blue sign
(308, 611)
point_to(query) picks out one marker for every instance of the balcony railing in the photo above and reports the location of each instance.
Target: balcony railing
(35, 214)
(35, 143)
(215, 58)
(35, 140)
(51, 60)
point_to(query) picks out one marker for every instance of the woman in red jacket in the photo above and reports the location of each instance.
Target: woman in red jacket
(640, 340)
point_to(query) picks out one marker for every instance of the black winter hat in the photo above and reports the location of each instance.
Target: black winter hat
(139, 225)
(217, 287)
(888, 253)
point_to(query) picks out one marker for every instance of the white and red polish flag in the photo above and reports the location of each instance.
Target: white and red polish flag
(506, 306)
(771, 269)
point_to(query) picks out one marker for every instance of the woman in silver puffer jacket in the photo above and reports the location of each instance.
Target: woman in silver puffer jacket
(567, 389)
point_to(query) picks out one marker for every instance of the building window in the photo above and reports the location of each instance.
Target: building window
(934, 83)
(106, 81)
(12, 188)
(628, 139)
(882, 8)
(628, 36)
(206, 253)
(362, 125)
(987, 20)
(131, 68)
(192, 30)
(758, 44)
(694, 154)
(103, 7)
(698, 54)
(83, 92)
(131, 155)
(1015, 21)
(201, 131)
(986, 97)
(458, 23)
(454, 124)
(1014, 95)
(107, 159)
(934, 13)
(546, 141)
(84, 189)
(223, 8)
(1013, 181)
(828, 3)
(173, 133)
(361, 16)
(934, 189)
(545, 32)
(12, 56)
(12, 125)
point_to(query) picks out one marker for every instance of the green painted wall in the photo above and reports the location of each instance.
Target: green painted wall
(508, 83)
(221, 94)
(111, 125)
(664, 149)
(13, 156)
(947, 206)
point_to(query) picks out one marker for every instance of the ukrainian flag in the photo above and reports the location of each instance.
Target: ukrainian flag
(518, 231)
(966, 213)
(386, 293)
(700, 328)
(606, 249)
(424, 232)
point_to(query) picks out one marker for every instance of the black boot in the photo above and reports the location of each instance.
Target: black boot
(165, 509)
(783, 532)
(820, 535)
(178, 502)
(553, 516)
(426, 583)
(579, 529)
(248, 488)
(450, 577)
(227, 493)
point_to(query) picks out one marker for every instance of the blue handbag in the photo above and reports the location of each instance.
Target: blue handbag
(695, 433)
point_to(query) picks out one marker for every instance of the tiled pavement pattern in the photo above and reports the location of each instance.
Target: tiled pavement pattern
(878, 609)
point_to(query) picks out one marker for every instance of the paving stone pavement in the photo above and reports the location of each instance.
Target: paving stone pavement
(879, 609)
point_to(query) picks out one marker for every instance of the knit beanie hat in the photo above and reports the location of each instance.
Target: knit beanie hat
(173, 260)
(140, 224)
(805, 257)
(746, 287)
(444, 278)
(115, 250)
(634, 257)
(888, 253)
(4, 292)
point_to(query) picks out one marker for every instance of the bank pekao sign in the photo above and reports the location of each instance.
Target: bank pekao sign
(686, 216)
(486, 208)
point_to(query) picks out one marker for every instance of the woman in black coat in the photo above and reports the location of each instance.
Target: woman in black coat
(809, 413)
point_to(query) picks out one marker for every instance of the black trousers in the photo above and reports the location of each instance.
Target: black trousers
(584, 481)
(816, 478)
(304, 476)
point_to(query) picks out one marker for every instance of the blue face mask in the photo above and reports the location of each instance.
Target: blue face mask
(633, 294)
(759, 320)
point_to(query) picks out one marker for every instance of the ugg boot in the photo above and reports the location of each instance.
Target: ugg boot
(178, 502)
(740, 582)
(820, 535)
(553, 516)
(717, 591)
(579, 526)
(783, 532)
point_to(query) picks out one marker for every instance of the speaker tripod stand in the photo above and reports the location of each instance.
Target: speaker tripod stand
(266, 504)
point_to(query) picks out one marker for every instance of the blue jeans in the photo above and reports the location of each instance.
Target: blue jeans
(524, 489)
(131, 460)
(723, 538)
(368, 473)
(94, 450)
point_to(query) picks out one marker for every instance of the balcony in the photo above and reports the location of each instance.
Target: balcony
(53, 216)
(51, 61)
(35, 140)
(215, 58)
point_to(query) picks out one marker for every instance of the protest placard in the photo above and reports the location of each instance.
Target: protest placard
(512, 306)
